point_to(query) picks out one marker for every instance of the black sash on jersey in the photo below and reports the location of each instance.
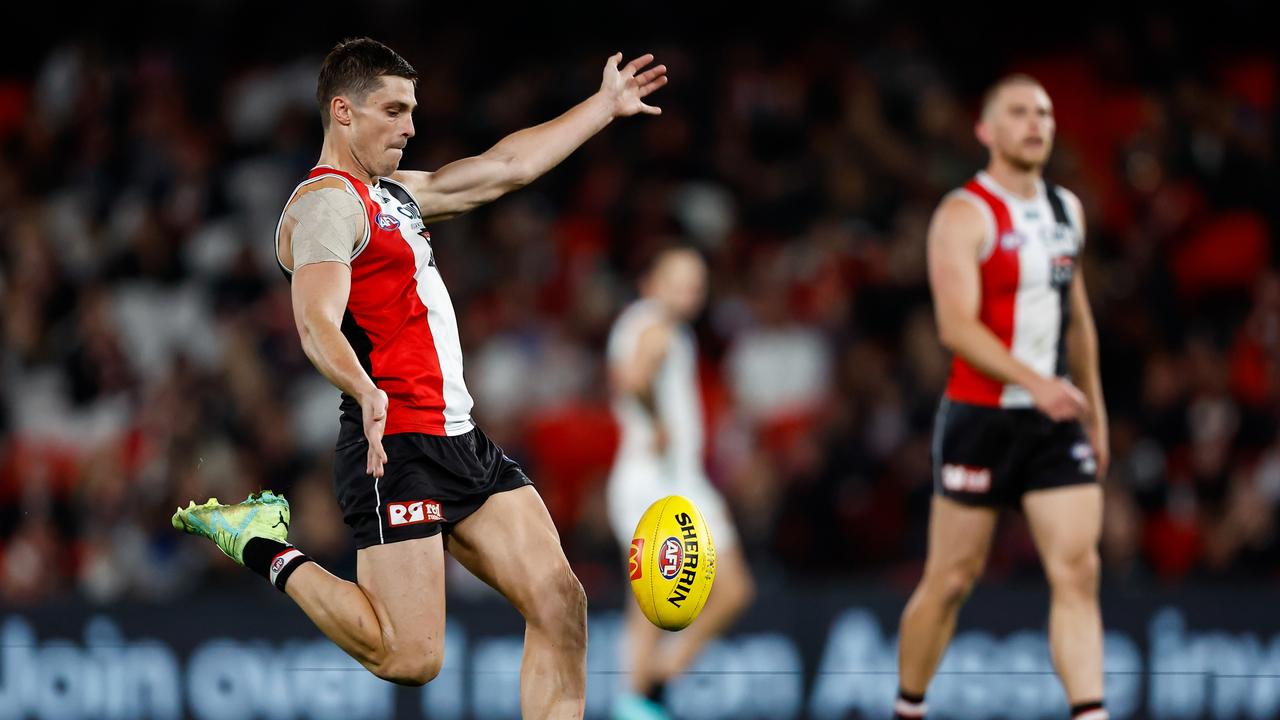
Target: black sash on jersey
(1055, 202)
(1064, 291)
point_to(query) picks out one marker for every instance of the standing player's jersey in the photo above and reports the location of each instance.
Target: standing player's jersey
(675, 392)
(1027, 262)
(399, 317)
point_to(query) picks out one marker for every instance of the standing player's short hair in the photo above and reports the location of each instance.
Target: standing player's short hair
(354, 68)
(989, 96)
(655, 260)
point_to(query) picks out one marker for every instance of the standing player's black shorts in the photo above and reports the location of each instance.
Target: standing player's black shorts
(992, 456)
(429, 482)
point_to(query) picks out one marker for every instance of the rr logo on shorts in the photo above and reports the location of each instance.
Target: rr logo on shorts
(962, 478)
(413, 512)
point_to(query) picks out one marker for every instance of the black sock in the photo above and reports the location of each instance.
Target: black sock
(656, 692)
(1092, 710)
(273, 560)
(909, 706)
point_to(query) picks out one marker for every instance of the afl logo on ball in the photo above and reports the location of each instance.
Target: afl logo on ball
(386, 221)
(671, 558)
(634, 566)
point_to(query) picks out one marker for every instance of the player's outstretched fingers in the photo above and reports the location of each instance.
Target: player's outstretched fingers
(639, 63)
(650, 76)
(647, 89)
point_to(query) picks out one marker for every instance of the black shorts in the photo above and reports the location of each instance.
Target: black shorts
(991, 456)
(429, 483)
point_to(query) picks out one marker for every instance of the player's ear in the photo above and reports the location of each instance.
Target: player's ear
(340, 110)
(982, 131)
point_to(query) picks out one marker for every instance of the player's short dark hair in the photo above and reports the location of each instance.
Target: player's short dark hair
(989, 96)
(354, 68)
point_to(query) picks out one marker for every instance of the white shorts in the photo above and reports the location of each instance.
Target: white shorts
(635, 485)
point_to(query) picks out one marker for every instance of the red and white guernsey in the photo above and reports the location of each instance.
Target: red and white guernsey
(1027, 262)
(399, 317)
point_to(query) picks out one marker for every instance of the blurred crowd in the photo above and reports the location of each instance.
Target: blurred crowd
(148, 353)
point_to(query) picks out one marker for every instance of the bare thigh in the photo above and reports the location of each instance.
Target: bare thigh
(404, 582)
(959, 540)
(1066, 522)
(511, 544)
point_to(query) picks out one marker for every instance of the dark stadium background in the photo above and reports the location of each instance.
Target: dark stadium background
(147, 353)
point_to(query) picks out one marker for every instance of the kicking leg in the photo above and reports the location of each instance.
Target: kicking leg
(392, 620)
(511, 544)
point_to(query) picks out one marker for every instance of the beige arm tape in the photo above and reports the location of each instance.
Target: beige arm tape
(328, 226)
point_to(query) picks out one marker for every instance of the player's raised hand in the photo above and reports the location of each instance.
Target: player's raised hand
(374, 409)
(1059, 399)
(628, 86)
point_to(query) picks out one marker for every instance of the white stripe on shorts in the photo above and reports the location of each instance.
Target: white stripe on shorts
(377, 508)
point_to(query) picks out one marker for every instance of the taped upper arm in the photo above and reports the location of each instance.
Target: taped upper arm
(324, 223)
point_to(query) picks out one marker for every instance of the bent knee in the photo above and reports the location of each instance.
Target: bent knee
(414, 669)
(953, 585)
(558, 604)
(1077, 572)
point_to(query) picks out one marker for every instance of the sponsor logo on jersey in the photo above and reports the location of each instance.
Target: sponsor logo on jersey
(413, 512)
(962, 478)
(386, 221)
(410, 211)
(671, 558)
(1061, 269)
(634, 567)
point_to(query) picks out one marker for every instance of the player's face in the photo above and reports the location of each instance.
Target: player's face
(1020, 126)
(382, 125)
(684, 285)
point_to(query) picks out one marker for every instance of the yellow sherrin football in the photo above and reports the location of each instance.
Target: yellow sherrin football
(672, 563)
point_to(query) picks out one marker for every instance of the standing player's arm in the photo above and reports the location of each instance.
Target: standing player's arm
(524, 156)
(634, 375)
(955, 240)
(1082, 361)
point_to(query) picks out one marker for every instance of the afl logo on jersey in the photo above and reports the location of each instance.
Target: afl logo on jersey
(1012, 240)
(387, 221)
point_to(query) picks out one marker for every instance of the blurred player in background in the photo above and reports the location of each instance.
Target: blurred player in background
(414, 475)
(653, 372)
(1013, 429)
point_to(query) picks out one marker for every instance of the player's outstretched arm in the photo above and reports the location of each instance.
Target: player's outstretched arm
(320, 292)
(955, 239)
(524, 156)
